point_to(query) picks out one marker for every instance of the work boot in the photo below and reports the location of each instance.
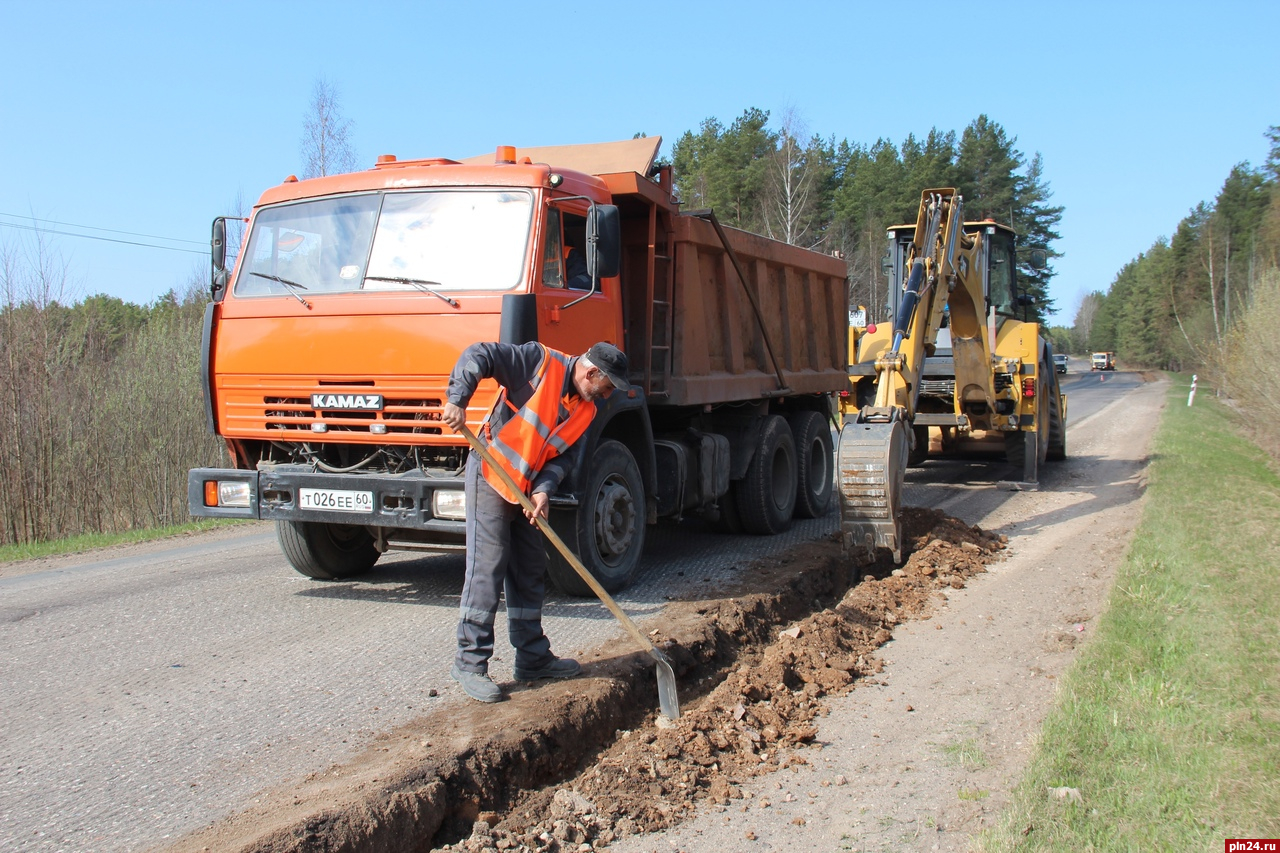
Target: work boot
(477, 685)
(557, 668)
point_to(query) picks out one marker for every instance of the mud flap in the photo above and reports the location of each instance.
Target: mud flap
(872, 461)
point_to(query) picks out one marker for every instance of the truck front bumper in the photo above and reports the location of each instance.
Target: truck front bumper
(409, 501)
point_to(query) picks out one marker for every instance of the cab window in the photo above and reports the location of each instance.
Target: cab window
(1000, 266)
(575, 257)
(553, 252)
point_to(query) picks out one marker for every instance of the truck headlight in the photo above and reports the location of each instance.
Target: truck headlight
(230, 493)
(449, 503)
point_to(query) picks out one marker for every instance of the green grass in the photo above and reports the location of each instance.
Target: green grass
(93, 541)
(1169, 722)
(966, 753)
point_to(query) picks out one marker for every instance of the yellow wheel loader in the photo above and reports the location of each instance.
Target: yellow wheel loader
(955, 370)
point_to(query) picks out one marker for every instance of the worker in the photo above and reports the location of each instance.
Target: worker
(547, 402)
(575, 269)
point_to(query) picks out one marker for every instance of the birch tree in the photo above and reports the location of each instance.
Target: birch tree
(326, 134)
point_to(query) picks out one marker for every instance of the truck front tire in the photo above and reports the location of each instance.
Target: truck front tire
(766, 496)
(326, 551)
(605, 530)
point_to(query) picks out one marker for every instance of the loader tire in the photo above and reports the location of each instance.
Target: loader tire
(1016, 451)
(920, 449)
(815, 478)
(327, 552)
(606, 529)
(1057, 450)
(766, 496)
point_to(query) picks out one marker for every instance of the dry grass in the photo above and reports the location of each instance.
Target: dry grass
(1250, 365)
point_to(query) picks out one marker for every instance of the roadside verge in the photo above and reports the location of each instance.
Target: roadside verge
(1166, 734)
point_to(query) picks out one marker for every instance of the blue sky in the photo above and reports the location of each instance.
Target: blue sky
(151, 118)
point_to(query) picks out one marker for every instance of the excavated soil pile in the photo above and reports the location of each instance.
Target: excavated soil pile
(754, 721)
(583, 762)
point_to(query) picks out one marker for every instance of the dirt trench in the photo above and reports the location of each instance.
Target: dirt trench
(576, 765)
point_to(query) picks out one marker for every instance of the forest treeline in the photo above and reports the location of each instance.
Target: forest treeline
(101, 412)
(1178, 304)
(813, 191)
(1207, 299)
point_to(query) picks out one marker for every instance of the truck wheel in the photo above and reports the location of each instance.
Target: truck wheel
(767, 495)
(605, 530)
(326, 552)
(814, 478)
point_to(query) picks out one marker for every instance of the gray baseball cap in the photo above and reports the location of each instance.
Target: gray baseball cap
(612, 362)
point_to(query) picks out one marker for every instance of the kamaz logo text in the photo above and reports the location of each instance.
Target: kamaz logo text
(362, 402)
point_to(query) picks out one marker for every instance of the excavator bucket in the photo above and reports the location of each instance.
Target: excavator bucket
(873, 463)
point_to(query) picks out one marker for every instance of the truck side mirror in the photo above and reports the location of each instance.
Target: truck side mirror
(1039, 259)
(218, 256)
(604, 241)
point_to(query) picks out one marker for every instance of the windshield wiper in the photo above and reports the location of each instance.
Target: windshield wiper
(420, 283)
(285, 281)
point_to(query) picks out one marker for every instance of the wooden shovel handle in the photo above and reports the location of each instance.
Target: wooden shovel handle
(571, 557)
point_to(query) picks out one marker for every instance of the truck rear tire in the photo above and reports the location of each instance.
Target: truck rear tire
(815, 480)
(766, 496)
(606, 530)
(327, 552)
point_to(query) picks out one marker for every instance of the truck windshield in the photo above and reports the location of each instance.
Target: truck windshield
(448, 239)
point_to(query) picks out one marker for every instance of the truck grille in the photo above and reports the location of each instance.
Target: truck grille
(287, 414)
(400, 415)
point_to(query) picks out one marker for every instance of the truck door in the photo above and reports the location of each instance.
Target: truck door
(575, 328)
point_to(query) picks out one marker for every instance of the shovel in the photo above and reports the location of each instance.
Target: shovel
(667, 699)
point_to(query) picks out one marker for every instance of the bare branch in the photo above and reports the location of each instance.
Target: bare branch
(326, 137)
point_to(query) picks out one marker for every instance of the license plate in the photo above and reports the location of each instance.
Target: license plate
(335, 500)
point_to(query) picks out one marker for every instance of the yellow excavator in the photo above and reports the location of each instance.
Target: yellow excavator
(955, 370)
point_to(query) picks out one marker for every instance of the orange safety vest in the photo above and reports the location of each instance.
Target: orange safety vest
(546, 426)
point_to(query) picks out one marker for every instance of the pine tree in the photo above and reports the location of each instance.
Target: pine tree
(1035, 220)
(986, 170)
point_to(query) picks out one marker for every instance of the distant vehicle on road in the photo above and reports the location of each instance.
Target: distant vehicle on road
(1103, 361)
(1060, 363)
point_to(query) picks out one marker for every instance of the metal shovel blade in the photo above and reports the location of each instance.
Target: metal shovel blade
(668, 702)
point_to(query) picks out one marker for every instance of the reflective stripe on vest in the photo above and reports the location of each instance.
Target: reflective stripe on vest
(543, 428)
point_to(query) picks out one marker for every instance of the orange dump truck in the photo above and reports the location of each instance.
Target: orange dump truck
(327, 351)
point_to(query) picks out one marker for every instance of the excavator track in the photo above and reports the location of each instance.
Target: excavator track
(873, 461)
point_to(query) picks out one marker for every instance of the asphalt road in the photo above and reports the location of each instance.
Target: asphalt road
(150, 692)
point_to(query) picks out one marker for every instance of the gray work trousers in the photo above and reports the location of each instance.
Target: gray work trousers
(505, 553)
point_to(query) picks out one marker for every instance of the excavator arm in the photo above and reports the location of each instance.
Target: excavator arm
(943, 266)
